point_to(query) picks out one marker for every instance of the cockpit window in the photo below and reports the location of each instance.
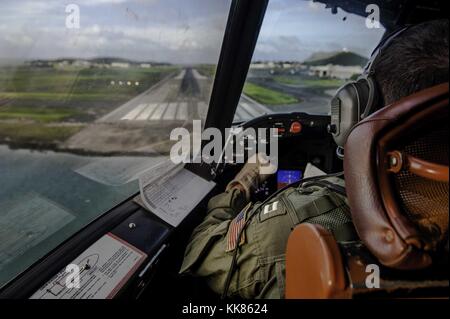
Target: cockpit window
(89, 92)
(303, 54)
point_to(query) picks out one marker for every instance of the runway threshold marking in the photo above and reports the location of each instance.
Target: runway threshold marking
(134, 112)
(182, 113)
(166, 111)
(159, 111)
(202, 109)
(170, 111)
(145, 114)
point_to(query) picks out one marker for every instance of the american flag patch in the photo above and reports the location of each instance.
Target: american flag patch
(235, 228)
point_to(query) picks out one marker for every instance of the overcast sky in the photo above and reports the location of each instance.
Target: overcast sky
(176, 31)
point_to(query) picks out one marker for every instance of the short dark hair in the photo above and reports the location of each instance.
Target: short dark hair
(414, 60)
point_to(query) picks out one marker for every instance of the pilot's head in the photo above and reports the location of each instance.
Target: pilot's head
(409, 60)
(414, 60)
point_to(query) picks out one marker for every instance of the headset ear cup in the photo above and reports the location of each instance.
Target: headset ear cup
(345, 112)
(362, 93)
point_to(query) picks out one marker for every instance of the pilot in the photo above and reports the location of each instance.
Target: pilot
(239, 248)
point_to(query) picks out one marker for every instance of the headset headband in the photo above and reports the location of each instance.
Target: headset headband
(357, 99)
(382, 45)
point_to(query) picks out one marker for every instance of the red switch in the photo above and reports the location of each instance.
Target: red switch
(296, 127)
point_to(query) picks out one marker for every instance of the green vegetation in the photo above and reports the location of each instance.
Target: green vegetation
(44, 115)
(77, 82)
(314, 83)
(32, 132)
(73, 90)
(206, 69)
(36, 103)
(268, 96)
(62, 97)
(287, 80)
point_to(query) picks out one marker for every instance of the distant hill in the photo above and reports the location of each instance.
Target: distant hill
(111, 60)
(337, 58)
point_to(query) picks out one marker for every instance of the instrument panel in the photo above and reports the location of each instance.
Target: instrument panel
(302, 139)
(282, 178)
(292, 124)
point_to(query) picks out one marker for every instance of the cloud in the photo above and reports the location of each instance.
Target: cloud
(98, 2)
(91, 3)
(315, 6)
(183, 31)
(153, 36)
(280, 47)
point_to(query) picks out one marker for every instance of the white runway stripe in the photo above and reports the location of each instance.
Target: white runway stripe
(134, 112)
(181, 75)
(170, 111)
(182, 113)
(197, 75)
(158, 112)
(145, 114)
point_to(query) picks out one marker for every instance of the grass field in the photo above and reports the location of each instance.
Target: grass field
(80, 81)
(316, 83)
(206, 69)
(49, 96)
(268, 96)
(36, 133)
(44, 115)
(34, 99)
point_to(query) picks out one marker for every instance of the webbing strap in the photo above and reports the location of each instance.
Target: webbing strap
(314, 208)
(331, 186)
(345, 232)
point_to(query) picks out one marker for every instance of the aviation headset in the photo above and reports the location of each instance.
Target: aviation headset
(355, 100)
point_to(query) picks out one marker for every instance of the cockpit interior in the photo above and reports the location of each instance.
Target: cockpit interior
(151, 249)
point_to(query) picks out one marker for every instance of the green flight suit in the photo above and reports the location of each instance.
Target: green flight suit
(260, 267)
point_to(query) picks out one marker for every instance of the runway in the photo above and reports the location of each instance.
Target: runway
(177, 98)
(146, 121)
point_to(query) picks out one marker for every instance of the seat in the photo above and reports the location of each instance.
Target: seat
(396, 174)
(314, 267)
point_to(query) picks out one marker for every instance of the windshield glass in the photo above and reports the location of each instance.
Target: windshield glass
(303, 54)
(89, 93)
